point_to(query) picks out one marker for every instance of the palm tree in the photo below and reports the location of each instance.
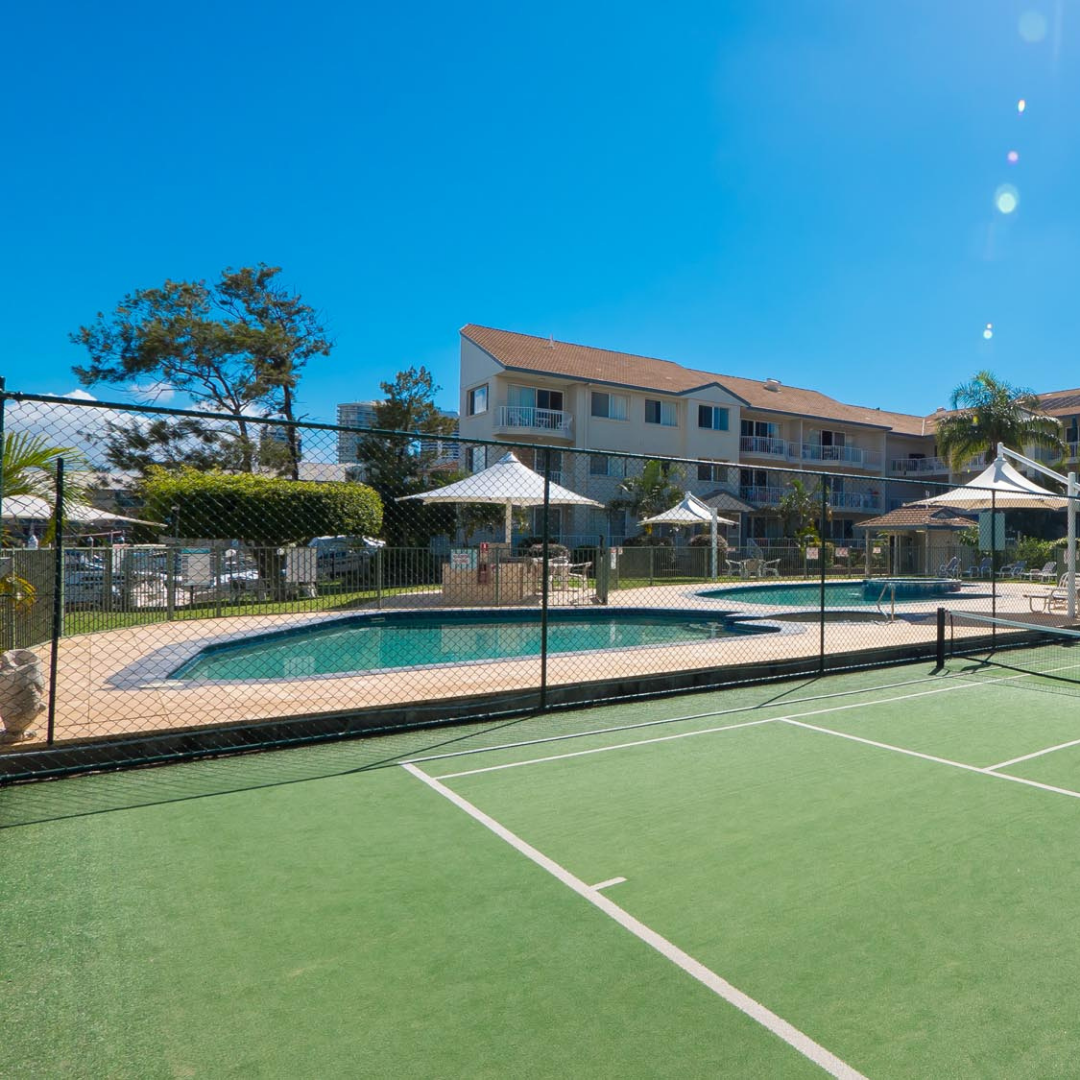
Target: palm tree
(28, 464)
(800, 510)
(650, 493)
(991, 411)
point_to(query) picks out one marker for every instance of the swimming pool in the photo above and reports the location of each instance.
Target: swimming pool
(838, 594)
(365, 643)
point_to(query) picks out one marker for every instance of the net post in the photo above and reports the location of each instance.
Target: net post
(545, 537)
(940, 639)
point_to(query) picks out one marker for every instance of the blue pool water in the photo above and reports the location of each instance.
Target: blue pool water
(372, 643)
(843, 593)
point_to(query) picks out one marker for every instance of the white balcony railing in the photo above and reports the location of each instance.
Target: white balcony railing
(766, 496)
(759, 444)
(855, 500)
(847, 455)
(919, 466)
(528, 418)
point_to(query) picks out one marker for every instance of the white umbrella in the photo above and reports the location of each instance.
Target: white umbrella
(692, 511)
(34, 508)
(999, 487)
(508, 483)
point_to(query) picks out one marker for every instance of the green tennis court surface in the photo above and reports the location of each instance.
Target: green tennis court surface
(873, 874)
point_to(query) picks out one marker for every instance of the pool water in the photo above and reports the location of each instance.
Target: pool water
(373, 643)
(837, 593)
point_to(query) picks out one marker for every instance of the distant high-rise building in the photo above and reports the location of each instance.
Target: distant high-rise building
(353, 414)
(361, 414)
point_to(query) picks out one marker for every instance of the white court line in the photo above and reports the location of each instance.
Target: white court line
(1038, 753)
(602, 749)
(610, 881)
(671, 720)
(939, 760)
(702, 731)
(743, 1002)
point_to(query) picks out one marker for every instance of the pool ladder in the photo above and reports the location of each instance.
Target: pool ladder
(892, 608)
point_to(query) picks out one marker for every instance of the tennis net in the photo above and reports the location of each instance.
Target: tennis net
(1048, 654)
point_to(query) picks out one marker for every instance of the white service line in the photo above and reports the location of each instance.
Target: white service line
(610, 881)
(939, 760)
(603, 749)
(702, 731)
(672, 720)
(746, 1004)
(1028, 757)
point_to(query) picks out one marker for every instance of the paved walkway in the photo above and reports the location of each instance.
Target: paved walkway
(115, 682)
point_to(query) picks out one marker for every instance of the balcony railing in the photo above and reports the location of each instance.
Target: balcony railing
(528, 418)
(767, 496)
(759, 444)
(919, 466)
(855, 500)
(846, 455)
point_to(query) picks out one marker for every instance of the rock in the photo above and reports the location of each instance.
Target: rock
(22, 692)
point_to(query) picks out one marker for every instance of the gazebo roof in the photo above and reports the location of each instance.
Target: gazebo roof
(917, 516)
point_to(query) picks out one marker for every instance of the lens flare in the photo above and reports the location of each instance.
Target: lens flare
(1021, 105)
(988, 333)
(1012, 157)
(1032, 27)
(1006, 199)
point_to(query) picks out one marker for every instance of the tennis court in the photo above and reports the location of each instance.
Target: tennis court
(870, 874)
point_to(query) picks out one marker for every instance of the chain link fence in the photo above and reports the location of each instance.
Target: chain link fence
(176, 583)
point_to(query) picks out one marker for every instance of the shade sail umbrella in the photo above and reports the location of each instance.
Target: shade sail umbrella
(34, 508)
(692, 511)
(508, 483)
(999, 487)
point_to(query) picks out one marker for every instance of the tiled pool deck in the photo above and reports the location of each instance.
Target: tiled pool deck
(114, 682)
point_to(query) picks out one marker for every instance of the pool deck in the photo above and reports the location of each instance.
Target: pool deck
(113, 682)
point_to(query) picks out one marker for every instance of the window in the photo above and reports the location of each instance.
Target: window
(611, 406)
(478, 400)
(661, 412)
(759, 429)
(712, 417)
(531, 397)
(712, 474)
(476, 458)
(607, 466)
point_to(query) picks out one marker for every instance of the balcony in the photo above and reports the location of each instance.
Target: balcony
(762, 496)
(923, 466)
(842, 455)
(527, 420)
(762, 446)
(855, 500)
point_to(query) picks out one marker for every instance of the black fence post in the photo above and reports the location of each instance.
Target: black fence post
(821, 557)
(545, 539)
(940, 639)
(58, 596)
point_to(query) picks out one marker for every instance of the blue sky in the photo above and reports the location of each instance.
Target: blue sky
(796, 190)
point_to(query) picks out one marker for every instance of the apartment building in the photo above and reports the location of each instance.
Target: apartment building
(519, 388)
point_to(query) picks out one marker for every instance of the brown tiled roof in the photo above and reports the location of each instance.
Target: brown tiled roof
(917, 517)
(1060, 401)
(523, 352)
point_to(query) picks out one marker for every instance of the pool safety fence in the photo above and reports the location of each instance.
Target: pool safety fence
(178, 583)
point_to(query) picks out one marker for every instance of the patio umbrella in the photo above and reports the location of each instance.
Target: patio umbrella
(507, 483)
(34, 508)
(999, 487)
(692, 511)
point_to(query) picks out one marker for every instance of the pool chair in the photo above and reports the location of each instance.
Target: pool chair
(982, 570)
(950, 569)
(1014, 569)
(1047, 573)
(769, 568)
(1057, 599)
